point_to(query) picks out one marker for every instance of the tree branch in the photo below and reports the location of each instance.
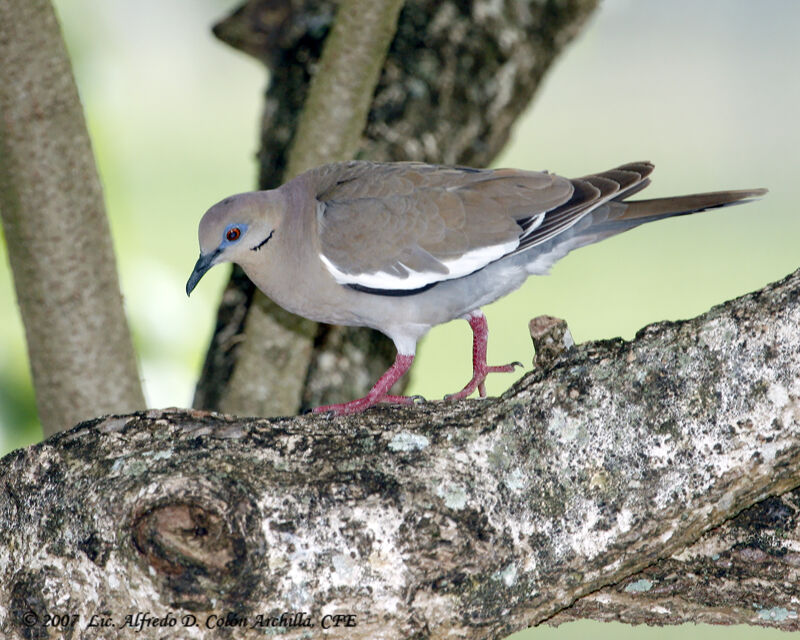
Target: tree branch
(59, 245)
(473, 519)
(340, 93)
(744, 571)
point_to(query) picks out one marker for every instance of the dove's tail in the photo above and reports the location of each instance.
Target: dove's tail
(642, 211)
(614, 213)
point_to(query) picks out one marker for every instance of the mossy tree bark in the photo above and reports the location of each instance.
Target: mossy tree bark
(56, 230)
(652, 481)
(457, 76)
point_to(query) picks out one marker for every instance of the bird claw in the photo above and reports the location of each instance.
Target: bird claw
(357, 406)
(417, 399)
(465, 392)
(325, 412)
(478, 380)
(331, 410)
(504, 368)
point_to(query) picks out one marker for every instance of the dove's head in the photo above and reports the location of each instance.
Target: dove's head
(234, 229)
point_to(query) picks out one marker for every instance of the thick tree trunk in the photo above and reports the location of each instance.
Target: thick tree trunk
(610, 483)
(55, 226)
(457, 76)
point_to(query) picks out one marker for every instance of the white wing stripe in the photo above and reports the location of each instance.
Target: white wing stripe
(534, 225)
(462, 266)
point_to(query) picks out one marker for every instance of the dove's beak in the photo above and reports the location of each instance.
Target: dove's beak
(203, 264)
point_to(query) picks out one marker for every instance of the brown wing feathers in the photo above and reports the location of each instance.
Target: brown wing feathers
(400, 219)
(405, 217)
(589, 192)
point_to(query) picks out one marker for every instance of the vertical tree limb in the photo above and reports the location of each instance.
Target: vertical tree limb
(56, 230)
(336, 108)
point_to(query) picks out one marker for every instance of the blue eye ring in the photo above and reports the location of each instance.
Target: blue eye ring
(233, 233)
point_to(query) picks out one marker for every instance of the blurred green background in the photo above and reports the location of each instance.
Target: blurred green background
(709, 91)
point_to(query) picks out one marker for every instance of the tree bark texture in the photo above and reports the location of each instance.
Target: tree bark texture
(457, 76)
(649, 481)
(747, 570)
(79, 345)
(340, 93)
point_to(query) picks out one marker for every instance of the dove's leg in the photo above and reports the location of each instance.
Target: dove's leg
(480, 338)
(379, 392)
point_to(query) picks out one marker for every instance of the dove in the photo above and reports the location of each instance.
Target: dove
(402, 247)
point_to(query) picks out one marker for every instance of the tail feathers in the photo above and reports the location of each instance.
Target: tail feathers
(570, 226)
(646, 210)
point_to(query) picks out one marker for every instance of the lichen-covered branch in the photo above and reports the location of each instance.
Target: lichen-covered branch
(619, 463)
(457, 76)
(54, 222)
(747, 570)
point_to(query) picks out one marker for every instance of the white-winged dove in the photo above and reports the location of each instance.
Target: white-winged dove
(401, 247)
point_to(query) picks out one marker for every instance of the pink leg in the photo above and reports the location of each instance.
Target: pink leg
(378, 393)
(480, 338)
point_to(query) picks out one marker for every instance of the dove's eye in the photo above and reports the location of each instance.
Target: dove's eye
(233, 234)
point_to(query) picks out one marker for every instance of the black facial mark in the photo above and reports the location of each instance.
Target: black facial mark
(263, 242)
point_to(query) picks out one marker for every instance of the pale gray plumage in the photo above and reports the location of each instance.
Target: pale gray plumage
(401, 247)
